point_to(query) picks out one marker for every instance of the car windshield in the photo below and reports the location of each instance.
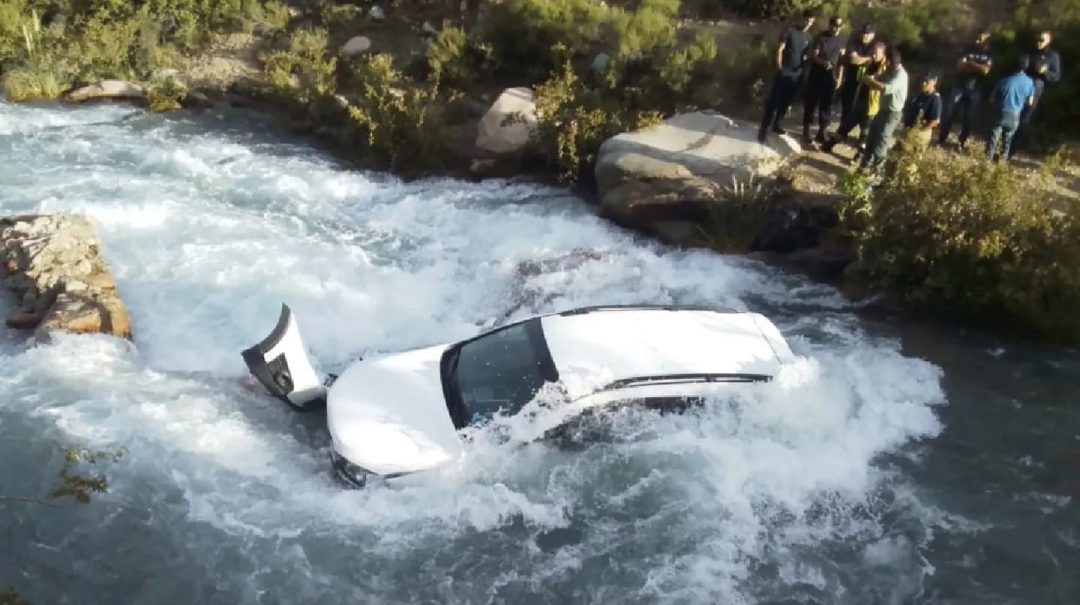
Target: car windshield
(500, 371)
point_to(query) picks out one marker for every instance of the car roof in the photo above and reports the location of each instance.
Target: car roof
(597, 348)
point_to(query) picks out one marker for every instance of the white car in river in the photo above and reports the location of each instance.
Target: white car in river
(401, 413)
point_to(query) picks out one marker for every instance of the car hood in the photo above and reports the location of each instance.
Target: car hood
(388, 414)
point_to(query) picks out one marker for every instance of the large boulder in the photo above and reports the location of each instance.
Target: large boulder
(53, 265)
(660, 178)
(497, 136)
(106, 89)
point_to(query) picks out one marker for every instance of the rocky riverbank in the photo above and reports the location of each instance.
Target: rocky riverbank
(53, 266)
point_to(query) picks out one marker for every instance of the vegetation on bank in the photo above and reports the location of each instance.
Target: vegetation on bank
(50, 46)
(993, 244)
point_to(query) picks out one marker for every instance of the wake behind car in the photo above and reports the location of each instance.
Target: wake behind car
(401, 413)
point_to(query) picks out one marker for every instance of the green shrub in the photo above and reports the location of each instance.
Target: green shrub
(305, 70)
(573, 121)
(454, 59)
(33, 83)
(967, 239)
(732, 224)
(770, 8)
(167, 95)
(532, 38)
(394, 121)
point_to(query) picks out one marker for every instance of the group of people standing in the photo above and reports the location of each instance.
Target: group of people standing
(869, 77)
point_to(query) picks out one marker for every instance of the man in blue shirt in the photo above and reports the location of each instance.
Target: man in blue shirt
(1012, 95)
(972, 69)
(790, 62)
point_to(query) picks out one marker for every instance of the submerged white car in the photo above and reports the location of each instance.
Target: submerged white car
(401, 413)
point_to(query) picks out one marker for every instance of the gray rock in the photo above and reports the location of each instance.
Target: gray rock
(429, 30)
(601, 62)
(661, 173)
(52, 264)
(106, 89)
(355, 46)
(376, 13)
(497, 136)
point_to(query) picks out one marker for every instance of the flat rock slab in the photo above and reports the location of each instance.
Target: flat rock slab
(106, 89)
(689, 158)
(53, 265)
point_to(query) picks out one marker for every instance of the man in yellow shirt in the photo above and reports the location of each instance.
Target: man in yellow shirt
(867, 103)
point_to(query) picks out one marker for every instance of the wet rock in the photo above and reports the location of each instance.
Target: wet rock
(376, 13)
(497, 135)
(106, 89)
(355, 46)
(52, 264)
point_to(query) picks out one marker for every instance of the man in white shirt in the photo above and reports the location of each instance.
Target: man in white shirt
(894, 87)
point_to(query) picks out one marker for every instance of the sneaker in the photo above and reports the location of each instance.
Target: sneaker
(778, 130)
(828, 145)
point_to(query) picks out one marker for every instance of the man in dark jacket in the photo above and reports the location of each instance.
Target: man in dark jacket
(1044, 67)
(826, 75)
(790, 62)
(972, 68)
(857, 57)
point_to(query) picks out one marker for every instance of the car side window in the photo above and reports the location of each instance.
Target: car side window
(500, 372)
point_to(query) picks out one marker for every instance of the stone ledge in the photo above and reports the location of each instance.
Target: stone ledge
(53, 265)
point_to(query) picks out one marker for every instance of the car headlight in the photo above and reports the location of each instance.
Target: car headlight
(352, 474)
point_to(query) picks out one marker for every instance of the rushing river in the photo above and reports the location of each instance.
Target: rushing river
(894, 463)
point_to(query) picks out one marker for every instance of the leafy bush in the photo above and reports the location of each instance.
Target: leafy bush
(532, 38)
(166, 95)
(954, 234)
(33, 83)
(573, 121)
(770, 8)
(454, 59)
(305, 70)
(394, 121)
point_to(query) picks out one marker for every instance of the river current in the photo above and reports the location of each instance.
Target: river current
(894, 463)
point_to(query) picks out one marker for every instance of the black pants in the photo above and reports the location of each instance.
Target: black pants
(966, 103)
(848, 93)
(819, 98)
(858, 115)
(782, 93)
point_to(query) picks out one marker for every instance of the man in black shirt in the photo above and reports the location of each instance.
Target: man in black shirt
(923, 113)
(790, 61)
(856, 58)
(972, 68)
(1044, 67)
(826, 75)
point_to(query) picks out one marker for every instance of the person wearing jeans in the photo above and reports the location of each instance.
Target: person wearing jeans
(894, 87)
(1012, 95)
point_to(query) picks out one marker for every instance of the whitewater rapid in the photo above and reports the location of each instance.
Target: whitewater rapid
(210, 222)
